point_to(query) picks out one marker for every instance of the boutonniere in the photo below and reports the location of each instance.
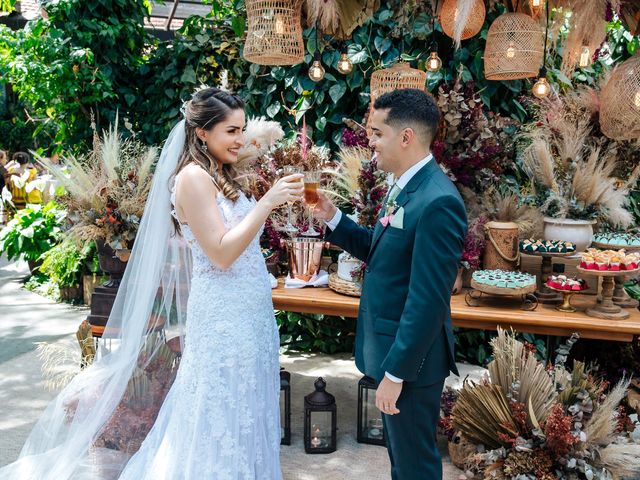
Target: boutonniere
(389, 212)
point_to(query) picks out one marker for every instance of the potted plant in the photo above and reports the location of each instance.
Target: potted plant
(32, 231)
(106, 191)
(571, 165)
(64, 265)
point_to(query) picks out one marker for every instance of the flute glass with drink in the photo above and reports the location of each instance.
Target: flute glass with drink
(290, 170)
(311, 187)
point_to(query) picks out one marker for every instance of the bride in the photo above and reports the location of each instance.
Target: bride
(220, 418)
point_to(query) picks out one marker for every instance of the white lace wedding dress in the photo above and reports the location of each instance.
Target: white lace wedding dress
(220, 419)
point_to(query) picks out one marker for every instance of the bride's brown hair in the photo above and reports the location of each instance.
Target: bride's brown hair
(207, 108)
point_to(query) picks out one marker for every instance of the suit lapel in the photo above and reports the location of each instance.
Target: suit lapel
(403, 198)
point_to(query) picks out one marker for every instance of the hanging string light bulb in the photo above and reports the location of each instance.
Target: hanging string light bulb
(316, 70)
(542, 88)
(585, 57)
(434, 63)
(345, 66)
(511, 51)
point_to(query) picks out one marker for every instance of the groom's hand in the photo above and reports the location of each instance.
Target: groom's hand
(324, 209)
(387, 396)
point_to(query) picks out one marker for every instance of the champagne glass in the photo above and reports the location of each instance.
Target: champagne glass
(290, 170)
(311, 186)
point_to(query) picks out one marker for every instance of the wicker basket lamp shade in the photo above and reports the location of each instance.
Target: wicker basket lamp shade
(400, 75)
(274, 32)
(620, 102)
(449, 14)
(514, 49)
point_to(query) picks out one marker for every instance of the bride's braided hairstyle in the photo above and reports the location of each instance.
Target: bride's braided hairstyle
(208, 107)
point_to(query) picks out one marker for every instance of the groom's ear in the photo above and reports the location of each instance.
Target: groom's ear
(407, 135)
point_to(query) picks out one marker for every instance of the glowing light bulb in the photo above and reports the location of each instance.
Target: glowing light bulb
(344, 64)
(536, 3)
(585, 57)
(511, 51)
(434, 63)
(279, 26)
(316, 71)
(541, 88)
(636, 99)
(455, 15)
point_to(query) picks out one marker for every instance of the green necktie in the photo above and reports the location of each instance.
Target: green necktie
(393, 194)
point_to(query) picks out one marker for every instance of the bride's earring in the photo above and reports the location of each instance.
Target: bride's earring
(204, 146)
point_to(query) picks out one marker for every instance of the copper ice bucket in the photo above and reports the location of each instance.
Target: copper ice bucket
(305, 255)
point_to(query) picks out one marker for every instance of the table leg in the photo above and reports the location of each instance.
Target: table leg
(546, 295)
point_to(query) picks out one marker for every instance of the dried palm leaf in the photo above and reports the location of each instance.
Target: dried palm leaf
(326, 13)
(481, 412)
(520, 375)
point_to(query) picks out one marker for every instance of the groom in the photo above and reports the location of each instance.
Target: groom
(404, 336)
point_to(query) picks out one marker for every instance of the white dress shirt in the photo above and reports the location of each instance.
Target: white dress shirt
(400, 183)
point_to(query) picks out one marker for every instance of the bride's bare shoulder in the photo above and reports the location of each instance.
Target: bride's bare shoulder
(194, 178)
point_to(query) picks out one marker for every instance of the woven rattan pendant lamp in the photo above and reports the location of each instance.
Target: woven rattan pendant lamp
(449, 16)
(398, 76)
(620, 102)
(274, 32)
(514, 49)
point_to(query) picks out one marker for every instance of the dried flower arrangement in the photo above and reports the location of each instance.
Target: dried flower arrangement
(572, 164)
(530, 422)
(476, 147)
(106, 189)
(268, 153)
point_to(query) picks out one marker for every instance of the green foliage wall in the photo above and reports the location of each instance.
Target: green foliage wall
(85, 58)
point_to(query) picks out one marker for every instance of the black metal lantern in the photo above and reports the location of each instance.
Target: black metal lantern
(320, 420)
(285, 408)
(370, 429)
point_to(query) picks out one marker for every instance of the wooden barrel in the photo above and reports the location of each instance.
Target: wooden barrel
(501, 250)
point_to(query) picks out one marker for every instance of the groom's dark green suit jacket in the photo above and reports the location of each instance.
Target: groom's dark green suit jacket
(404, 322)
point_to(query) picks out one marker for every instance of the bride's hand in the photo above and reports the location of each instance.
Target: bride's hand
(287, 189)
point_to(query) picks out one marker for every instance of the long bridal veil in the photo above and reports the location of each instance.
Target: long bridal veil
(100, 418)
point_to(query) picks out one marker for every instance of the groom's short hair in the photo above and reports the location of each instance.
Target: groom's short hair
(410, 107)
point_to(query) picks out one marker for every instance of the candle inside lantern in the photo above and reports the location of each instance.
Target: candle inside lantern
(315, 440)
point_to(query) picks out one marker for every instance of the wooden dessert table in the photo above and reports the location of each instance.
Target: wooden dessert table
(545, 320)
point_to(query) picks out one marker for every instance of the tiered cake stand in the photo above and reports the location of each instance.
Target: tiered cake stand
(620, 296)
(607, 308)
(544, 293)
